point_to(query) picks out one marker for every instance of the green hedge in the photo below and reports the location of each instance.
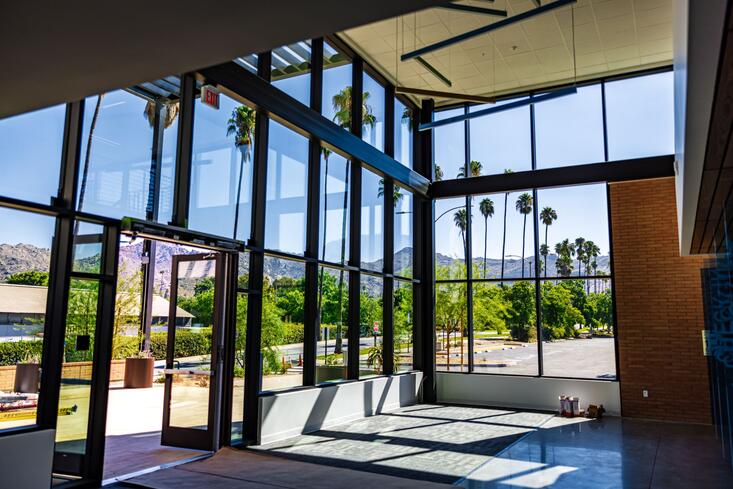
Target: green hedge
(13, 352)
(293, 333)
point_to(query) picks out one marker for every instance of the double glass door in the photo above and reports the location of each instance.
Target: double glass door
(194, 319)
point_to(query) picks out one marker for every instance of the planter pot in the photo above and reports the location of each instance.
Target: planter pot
(27, 376)
(139, 373)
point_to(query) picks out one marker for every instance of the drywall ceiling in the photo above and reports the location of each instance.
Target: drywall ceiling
(588, 39)
(53, 51)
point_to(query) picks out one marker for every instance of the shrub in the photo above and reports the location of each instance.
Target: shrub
(188, 343)
(293, 333)
(13, 352)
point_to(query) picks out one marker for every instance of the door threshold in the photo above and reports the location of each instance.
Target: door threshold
(124, 477)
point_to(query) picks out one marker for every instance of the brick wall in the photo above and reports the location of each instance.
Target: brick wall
(659, 307)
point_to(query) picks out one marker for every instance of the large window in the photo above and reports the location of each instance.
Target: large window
(333, 217)
(372, 221)
(336, 87)
(290, 71)
(30, 154)
(449, 146)
(333, 304)
(221, 169)
(403, 326)
(403, 220)
(373, 113)
(500, 142)
(403, 137)
(371, 360)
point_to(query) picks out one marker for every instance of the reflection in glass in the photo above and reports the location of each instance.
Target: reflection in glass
(238, 383)
(290, 70)
(221, 172)
(500, 142)
(87, 256)
(403, 133)
(23, 293)
(403, 326)
(640, 115)
(402, 232)
(333, 304)
(449, 146)
(336, 87)
(505, 328)
(287, 171)
(373, 113)
(30, 154)
(577, 329)
(371, 358)
(333, 220)
(372, 223)
(283, 302)
(451, 327)
(569, 130)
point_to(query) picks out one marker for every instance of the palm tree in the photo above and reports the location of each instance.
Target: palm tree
(460, 219)
(169, 114)
(486, 206)
(580, 250)
(524, 207)
(242, 125)
(87, 157)
(547, 216)
(438, 173)
(590, 252)
(544, 251)
(397, 194)
(326, 155)
(503, 238)
(565, 252)
(475, 168)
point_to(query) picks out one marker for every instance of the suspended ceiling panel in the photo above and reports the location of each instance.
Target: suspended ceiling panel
(586, 40)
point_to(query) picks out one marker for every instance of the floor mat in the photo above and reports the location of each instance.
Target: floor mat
(424, 442)
(244, 469)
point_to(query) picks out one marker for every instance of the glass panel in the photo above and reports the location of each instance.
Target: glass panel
(336, 87)
(449, 146)
(25, 239)
(371, 359)
(116, 154)
(574, 231)
(168, 169)
(402, 232)
(189, 405)
(239, 365)
(243, 271)
(88, 239)
(372, 221)
(451, 328)
(333, 304)
(282, 324)
(403, 327)
(30, 154)
(640, 116)
(76, 372)
(450, 235)
(291, 66)
(577, 329)
(287, 181)
(569, 130)
(500, 142)
(403, 133)
(373, 113)
(333, 220)
(221, 173)
(505, 328)
(248, 62)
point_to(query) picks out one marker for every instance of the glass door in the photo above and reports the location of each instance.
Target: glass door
(194, 319)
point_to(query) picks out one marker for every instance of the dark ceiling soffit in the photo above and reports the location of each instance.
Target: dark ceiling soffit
(501, 108)
(268, 98)
(487, 28)
(475, 10)
(61, 52)
(613, 171)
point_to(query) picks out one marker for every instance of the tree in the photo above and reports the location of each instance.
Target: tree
(474, 169)
(438, 173)
(565, 251)
(559, 316)
(544, 251)
(580, 252)
(29, 277)
(397, 194)
(168, 113)
(326, 153)
(524, 207)
(490, 309)
(460, 219)
(547, 216)
(486, 207)
(591, 252)
(503, 237)
(242, 125)
(521, 315)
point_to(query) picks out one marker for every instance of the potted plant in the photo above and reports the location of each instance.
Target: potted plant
(139, 370)
(28, 374)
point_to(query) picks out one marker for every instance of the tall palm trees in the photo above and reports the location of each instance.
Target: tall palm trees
(503, 238)
(474, 169)
(486, 207)
(460, 219)
(580, 251)
(565, 252)
(438, 173)
(524, 207)
(591, 252)
(342, 109)
(547, 216)
(242, 125)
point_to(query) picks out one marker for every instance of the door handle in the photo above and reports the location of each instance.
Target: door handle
(183, 371)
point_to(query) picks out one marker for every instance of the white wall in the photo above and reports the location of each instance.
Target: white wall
(27, 459)
(525, 392)
(292, 413)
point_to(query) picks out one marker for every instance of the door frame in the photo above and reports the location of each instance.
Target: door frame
(192, 437)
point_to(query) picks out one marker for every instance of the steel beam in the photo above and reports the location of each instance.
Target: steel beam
(474, 10)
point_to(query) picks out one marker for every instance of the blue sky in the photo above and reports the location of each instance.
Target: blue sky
(640, 124)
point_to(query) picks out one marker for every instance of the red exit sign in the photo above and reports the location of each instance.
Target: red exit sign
(210, 96)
